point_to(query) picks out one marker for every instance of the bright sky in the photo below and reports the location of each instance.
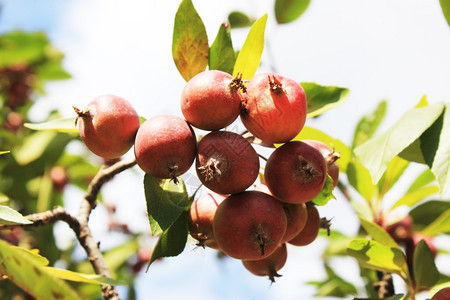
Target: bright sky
(393, 50)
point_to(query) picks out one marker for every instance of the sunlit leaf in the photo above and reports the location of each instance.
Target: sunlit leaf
(173, 240)
(9, 216)
(445, 5)
(289, 10)
(412, 198)
(26, 271)
(425, 213)
(359, 178)
(425, 272)
(81, 277)
(221, 54)
(4, 152)
(374, 255)
(394, 171)
(190, 47)
(435, 146)
(378, 233)
(60, 125)
(249, 57)
(238, 19)
(326, 194)
(439, 225)
(369, 124)
(321, 98)
(166, 200)
(315, 134)
(377, 152)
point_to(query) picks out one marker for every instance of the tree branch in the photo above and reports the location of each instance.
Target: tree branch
(79, 224)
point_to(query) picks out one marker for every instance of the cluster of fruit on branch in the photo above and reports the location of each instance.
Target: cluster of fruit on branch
(252, 225)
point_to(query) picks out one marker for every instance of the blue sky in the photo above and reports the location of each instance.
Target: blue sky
(394, 50)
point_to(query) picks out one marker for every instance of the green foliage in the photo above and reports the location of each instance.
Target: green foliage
(445, 5)
(376, 256)
(28, 271)
(221, 54)
(173, 240)
(425, 213)
(368, 124)
(377, 233)
(322, 98)
(166, 201)
(439, 225)
(333, 285)
(59, 125)
(289, 10)
(249, 57)
(238, 19)
(426, 274)
(190, 47)
(377, 152)
(9, 216)
(360, 179)
(80, 277)
(326, 194)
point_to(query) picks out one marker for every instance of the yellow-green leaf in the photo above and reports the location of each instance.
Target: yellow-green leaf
(81, 277)
(25, 270)
(9, 216)
(378, 233)
(59, 125)
(376, 256)
(439, 225)
(190, 47)
(249, 57)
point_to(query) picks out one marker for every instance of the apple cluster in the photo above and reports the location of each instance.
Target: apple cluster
(247, 221)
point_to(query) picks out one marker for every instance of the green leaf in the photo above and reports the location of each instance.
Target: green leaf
(368, 124)
(40, 143)
(394, 171)
(81, 277)
(378, 233)
(321, 98)
(26, 271)
(445, 5)
(221, 54)
(412, 198)
(173, 240)
(333, 285)
(359, 178)
(435, 146)
(238, 19)
(425, 213)
(18, 47)
(289, 10)
(9, 216)
(425, 272)
(4, 152)
(59, 125)
(395, 297)
(326, 194)
(190, 42)
(315, 134)
(376, 256)
(52, 70)
(439, 225)
(424, 178)
(249, 57)
(377, 152)
(166, 201)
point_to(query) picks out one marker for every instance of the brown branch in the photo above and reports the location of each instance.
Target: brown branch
(79, 224)
(384, 287)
